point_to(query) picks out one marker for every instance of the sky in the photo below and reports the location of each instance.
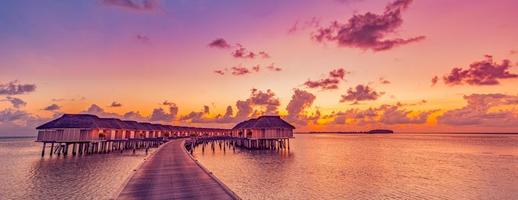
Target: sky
(323, 65)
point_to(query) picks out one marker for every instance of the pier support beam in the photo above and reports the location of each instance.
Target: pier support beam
(43, 150)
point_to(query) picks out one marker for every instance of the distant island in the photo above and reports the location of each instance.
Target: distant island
(374, 131)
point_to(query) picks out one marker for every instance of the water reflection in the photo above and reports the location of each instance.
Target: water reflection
(72, 177)
(411, 166)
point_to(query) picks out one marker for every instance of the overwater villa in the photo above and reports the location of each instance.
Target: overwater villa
(264, 132)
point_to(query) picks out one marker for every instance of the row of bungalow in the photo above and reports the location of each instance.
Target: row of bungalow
(93, 134)
(85, 127)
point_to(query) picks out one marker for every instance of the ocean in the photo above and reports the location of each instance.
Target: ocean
(362, 166)
(323, 166)
(24, 174)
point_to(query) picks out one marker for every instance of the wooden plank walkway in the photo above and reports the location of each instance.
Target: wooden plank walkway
(171, 174)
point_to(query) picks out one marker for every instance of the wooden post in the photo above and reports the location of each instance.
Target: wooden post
(43, 150)
(51, 148)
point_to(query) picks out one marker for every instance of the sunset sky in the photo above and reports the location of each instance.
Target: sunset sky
(324, 65)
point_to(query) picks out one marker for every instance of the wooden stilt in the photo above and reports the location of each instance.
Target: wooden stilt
(43, 150)
(51, 148)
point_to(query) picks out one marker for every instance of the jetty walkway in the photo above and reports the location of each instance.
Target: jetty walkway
(172, 174)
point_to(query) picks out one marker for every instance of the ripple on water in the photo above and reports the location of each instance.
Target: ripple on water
(399, 166)
(80, 177)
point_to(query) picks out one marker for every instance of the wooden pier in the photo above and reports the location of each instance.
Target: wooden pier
(171, 173)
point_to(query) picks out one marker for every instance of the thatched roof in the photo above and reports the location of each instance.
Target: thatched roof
(74, 121)
(88, 121)
(264, 122)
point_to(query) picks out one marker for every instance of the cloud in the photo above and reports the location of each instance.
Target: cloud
(16, 88)
(244, 109)
(368, 31)
(52, 107)
(143, 38)
(435, 80)
(14, 122)
(483, 110)
(219, 71)
(70, 99)
(239, 50)
(94, 109)
(242, 70)
(141, 5)
(259, 103)
(485, 72)
(115, 104)
(266, 99)
(361, 93)
(168, 103)
(300, 26)
(300, 100)
(242, 52)
(135, 116)
(239, 70)
(227, 117)
(272, 67)
(394, 114)
(330, 82)
(15, 102)
(198, 117)
(159, 114)
(384, 114)
(383, 81)
(220, 43)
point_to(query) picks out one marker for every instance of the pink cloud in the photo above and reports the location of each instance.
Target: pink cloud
(16, 88)
(384, 114)
(480, 111)
(239, 70)
(384, 81)
(369, 30)
(361, 93)
(485, 72)
(330, 82)
(300, 101)
(220, 43)
(219, 71)
(242, 70)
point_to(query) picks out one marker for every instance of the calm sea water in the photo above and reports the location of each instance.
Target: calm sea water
(25, 175)
(397, 166)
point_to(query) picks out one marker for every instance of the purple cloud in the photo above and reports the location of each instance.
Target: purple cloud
(219, 43)
(16, 88)
(239, 70)
(485, 72)
(300, 100)
(141, 5)
(435, 80)
(115, 104)
(16, 102)
(219, 71)
(159, 114)
(361, 93)
(369, 30)
(329, 83)
(143, 38)
(52, 107)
